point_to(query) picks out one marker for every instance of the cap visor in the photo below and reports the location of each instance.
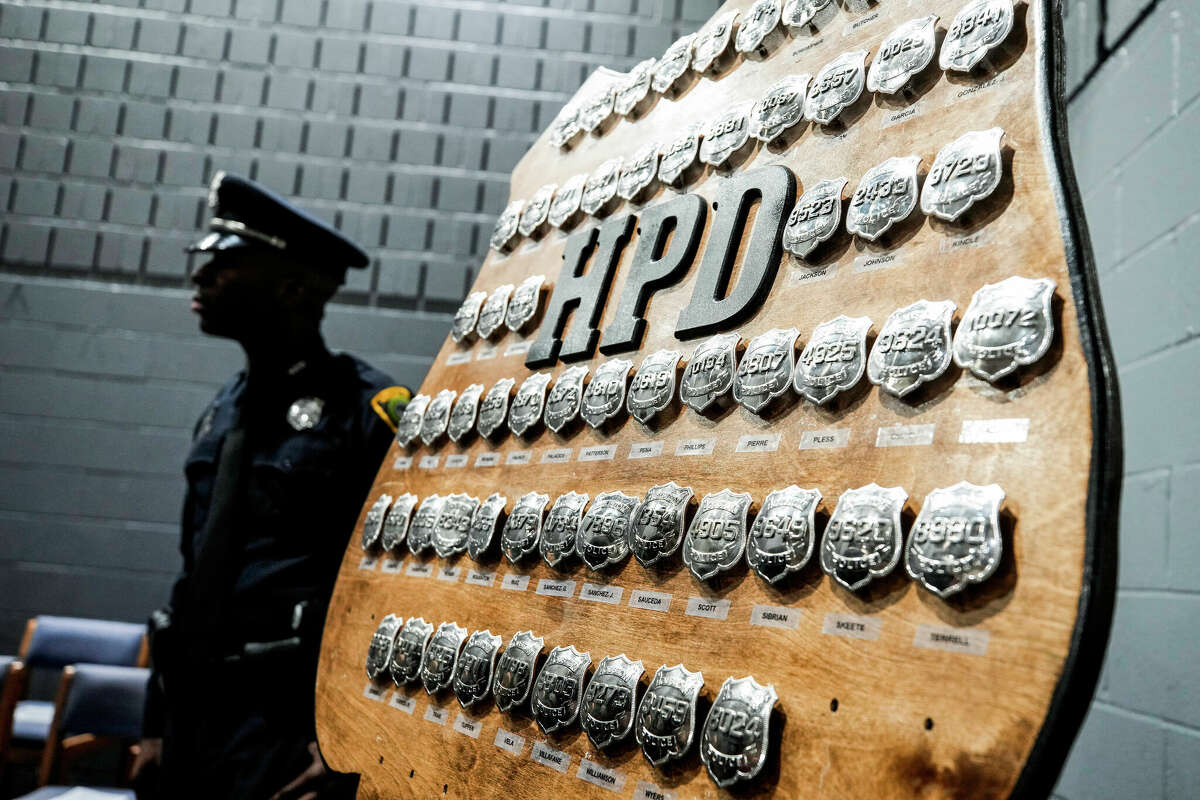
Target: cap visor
(217, 242)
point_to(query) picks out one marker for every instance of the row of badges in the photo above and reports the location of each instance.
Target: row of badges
(954, 541)
(507, 306)
(733, 739)
(1007, 325)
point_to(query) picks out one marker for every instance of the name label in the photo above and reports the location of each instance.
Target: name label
(467, 726)
(962, 94)
(547, 756)
(951, 244)
(858, 24)
(368, 562)
(902, 115)
(509, 742)
(872, 263)
(552, 588)
(406, 704)
(775, 617)
(827, 439)
(428, 462)
(487, 459)
(514, 583)
(646, 450)
(436, 715)
(461, 357)
(799, 277)
(518, 457)
(517, 348)
(480, 577)
(905, 436)
(418, 569)
(402, 462)
(597, 593)
(456, 460)
(695, 447)
(707, 607)
(373, 692)
(758, 443)
(648, 791)
(604, 453)
(487, 352)
(971, 641)
(559, 455)
(994, 431)
(449, 574)
(593, 773)
(852, 626)
(650, 601)
(391, 566)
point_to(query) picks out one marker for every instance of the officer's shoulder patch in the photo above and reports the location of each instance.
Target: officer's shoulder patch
(389, 404)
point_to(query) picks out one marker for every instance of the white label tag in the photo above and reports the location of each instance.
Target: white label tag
(952, 244)
(650, 601)
(645, 450)
(593, 773)
(449, 574)
(514, 583)
(518, 458)
(418, 569)
(905, 436)
(797, 51)
(402, 462)
(487, 459)
(695, 447)
(859, 24)
(604, 453)
(775, 617)
(460, 357)
(480, 577)
(971, 641)
(707, 607)
(828, 439)
(553, 588)
(518, 348)
(486, 353)
(368, 562)
(852, 626)
(391, 566)
(799, 277)
(428, 462)
(558, 455)
(994, 431)
(406, 704)
(648, 791)
(373, 692)
(436, 715)
(963, 94)
(758, 443)
(457, 460)
(509, 742)
(597, 593)
(467, 726)
(902, 115)
(547, 756)
(873, 263)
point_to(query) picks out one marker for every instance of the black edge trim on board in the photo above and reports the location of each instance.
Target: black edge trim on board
(1076, 685)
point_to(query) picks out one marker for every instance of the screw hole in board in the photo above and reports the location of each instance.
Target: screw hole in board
(412, 772)
(833, 705)
(928, 724)
(381, 759)
(714, 205)
(445, 788)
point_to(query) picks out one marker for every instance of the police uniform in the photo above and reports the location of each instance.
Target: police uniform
(278, 470)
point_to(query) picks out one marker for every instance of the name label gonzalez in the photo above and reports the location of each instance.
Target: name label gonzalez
(963, 94)
(406, 704)
(852, 626)
(758, 443)
(905, 436)
(593, 773)
(553, 588)
(467, 726)
(650, 601)
(775, 617)
(648, 791)
(707, 607)
(695, 447)
(402, 462)
(373, 692)
(559, 455)
(547, 756)
(994, 431)
(509, 742)
(428, 462)
(456, 460)
(461, 357)
(368, 562)
(514, 583)
(436, 715)
(604, 453)
(873, 263)
(597, 593)
(417, 569)
(479, 577)
(646, 450)
(799, 277)
(517, 348)
(391, 566)
(486, 353)
(487, 459)
(827, 439)
(971, 641)
(449, 574)
(518, 457)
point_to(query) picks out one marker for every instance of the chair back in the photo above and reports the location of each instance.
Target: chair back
(58, 641)
(106, 701)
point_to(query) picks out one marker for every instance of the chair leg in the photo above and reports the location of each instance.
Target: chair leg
(49, 770)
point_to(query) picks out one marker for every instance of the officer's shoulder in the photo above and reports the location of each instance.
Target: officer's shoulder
(377, 390)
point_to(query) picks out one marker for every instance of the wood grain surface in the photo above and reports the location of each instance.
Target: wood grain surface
(857, 718)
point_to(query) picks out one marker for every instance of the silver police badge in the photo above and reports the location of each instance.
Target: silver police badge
(885, 195)
(437, 416)
(557, 542)
(494, 407)
(638, 173)
(905, 52)
(679, 156)
(834, 359)
(454, 524)
(564, 208)
(800, 14)
(528, 403)
(424, 523)
(565, 127)
(725, 135)
(514, 672)
(1007, 325)
(504, 235)
(524, 303)
(610, 700)
(601, 187)
(759, 31)
(955, 540)
(815, 218)
(709, 372)
(304, 414)
(484, 524)
(712, 42)
(836, 87)
(913, 347)
(666, 717)
(780, 108)
(604, 396)
(409, 426)
(781, 538)
(523, 527)
(965, 171)
(464, 413)
(473, 677)
(533, 217)
(395, 524)
(633, 91)
(716, 538)
(409, 651)
(562, 404)
(494, 311)
(603, 537)
(863, 538)
(734, 742)
(466, 316)
(373, 521)
(978, 27)
(765, 371)
(383, 642)
(657, 528)
(558, 689)
(653, 385)
(673, 64)
(597, 108)
(441, 657)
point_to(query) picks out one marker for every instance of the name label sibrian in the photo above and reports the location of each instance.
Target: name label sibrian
(852, 626)
(650, 601)
(428, 462)
(373, 692)
(449, 574)
(467, 726)
(758, 443)
(509, 742)
(646, 450)
(971, 641)
(514, 583)
(695, 447)
(487, 459)
(480, 577)
(553, 588)
(391, 566)
(518, 457)
(775, 617)
(558, 455)
(457, 460)
(406, 704)
(994, 431)
(604, 453)
(648, 791)
(593, 773)
(402, 462)
(597, 593)
(905, 436)
(707, 607)
(547, 756)
(418, 569)
(436, 715)
(827, 439)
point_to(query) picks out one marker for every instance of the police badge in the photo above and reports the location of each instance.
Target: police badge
(504, 235)
(638, 173)
(733, 744)
(528, 403)
(536, 210)
(437, 416)
(673, 65)
(383, 642)
(441, 657)
(780, 108)
(409, 651)
(523, 527)
(709, 372)
(799, 15)
(666, 718)
(565, 127)
(657, 527)
(557, 542)
(781, 539)
(725, 136)
(759, 31)
(410, 421)
(395, 524)
(610, 700)
(597, 108)
(604, 396)
(978, 27)
(836, 87)
(524, 303)
(558, 687)
(716, 538)
(633, 92)
(562, 404)
(913, 347)
(514, 673)
(955, 540)
(834, 358)
(466, 409)
(965, 171)
(564, 209)
(863, 538)
(886, 195)
(420, 532)
(710, 49)
(815, 218)
(484, 524)
(1007, 325)
(766, 369)
(473, 677)
(904, 53)
(466, 316)
(373, 521)
(678, 162)
(494, 408)
(653, 385)
(494, 311)
(454, 524)
(603, 537)
(600, 191)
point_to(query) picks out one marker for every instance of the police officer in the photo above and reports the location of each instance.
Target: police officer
(280, 465)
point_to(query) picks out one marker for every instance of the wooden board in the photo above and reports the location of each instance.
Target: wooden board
(878, 718)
